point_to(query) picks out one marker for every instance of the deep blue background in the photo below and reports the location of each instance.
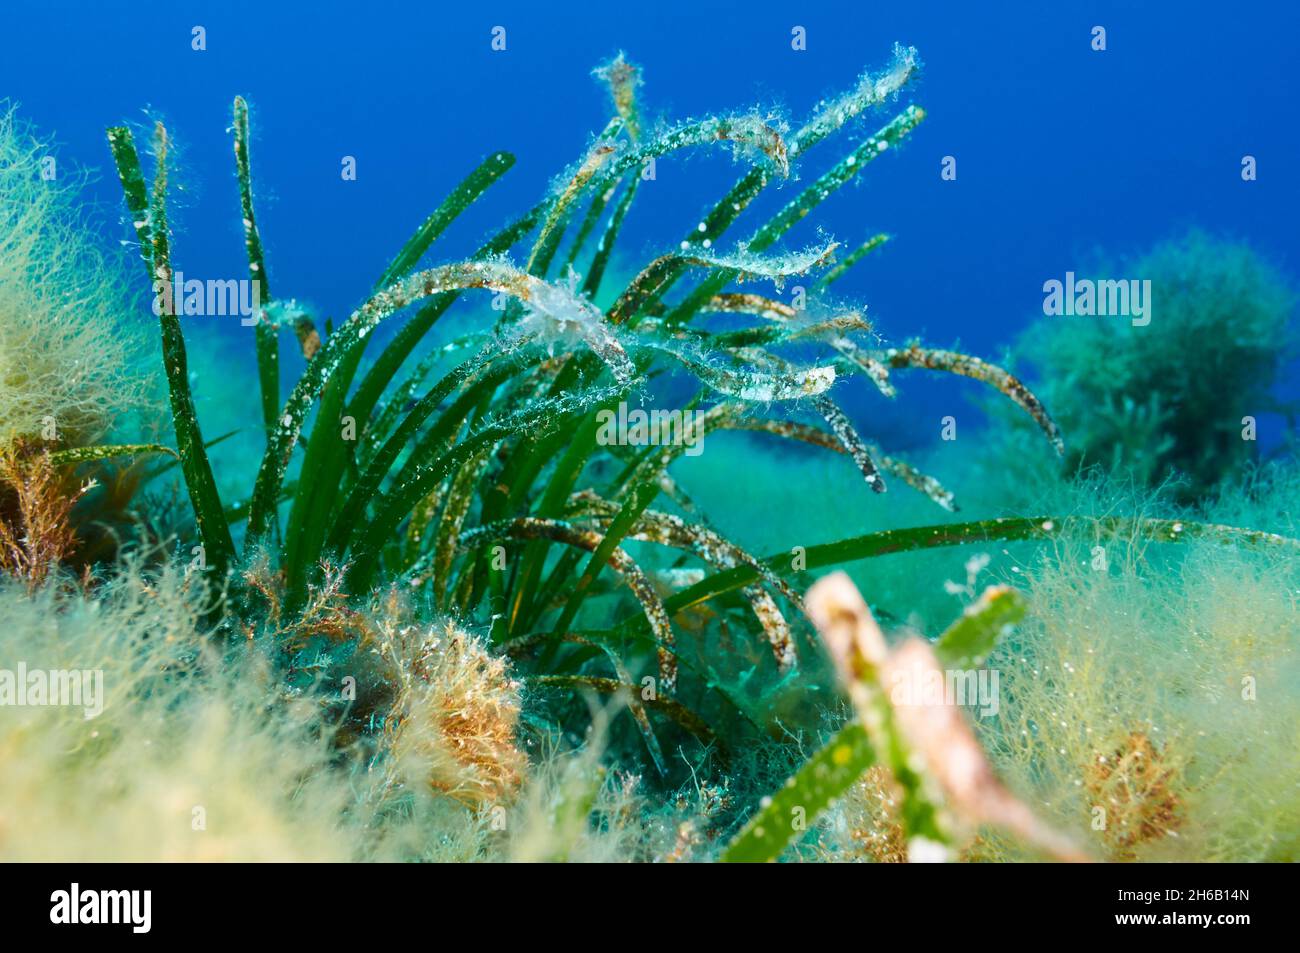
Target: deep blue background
(1060, 149)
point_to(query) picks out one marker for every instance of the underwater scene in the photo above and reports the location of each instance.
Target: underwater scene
(672, 432)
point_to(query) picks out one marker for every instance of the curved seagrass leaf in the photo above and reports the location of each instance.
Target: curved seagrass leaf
(774, 626)
(410, 334)
(340, 347)
(851, 165)
(609, 686)
(631, 510)
(77, 455)
(754, 385)
(730, 415)
(605, 163)
(822, 779)
(623, 78)
(616, 558)
(633, 699)
(956, 363)
(870, 91)
(791, 430)
(958, 534)
(548, 236)
(150, 221)
(969, 641)
(461, 197)
(745, 303)
(847, 435)
(887, 137)
(866, 362)
(648, 286)
(668, 529)
(748, 130)
(849, 260)
(831, 330)
(266, 340)
(788, 325)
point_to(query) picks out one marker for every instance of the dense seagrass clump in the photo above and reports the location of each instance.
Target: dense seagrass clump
(457, 598)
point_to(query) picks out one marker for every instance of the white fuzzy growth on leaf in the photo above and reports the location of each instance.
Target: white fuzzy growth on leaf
(753, 135)
(283, 312)
(871, 90)
(751, 384)
(556, 314)
(752, 265)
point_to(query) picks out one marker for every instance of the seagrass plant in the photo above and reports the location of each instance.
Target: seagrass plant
(482, 487)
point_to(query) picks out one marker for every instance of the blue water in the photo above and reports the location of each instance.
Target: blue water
(1060, 149)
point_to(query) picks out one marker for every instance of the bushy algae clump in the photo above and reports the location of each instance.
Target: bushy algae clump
(66, 352)
(447, 591)
(72, 371)
(193, 750)
(1182, 394)
(1150, 701)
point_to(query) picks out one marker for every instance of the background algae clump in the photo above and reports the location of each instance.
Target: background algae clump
(1172, 398)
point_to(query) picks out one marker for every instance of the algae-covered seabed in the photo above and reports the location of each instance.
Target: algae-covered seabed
(537, 554)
